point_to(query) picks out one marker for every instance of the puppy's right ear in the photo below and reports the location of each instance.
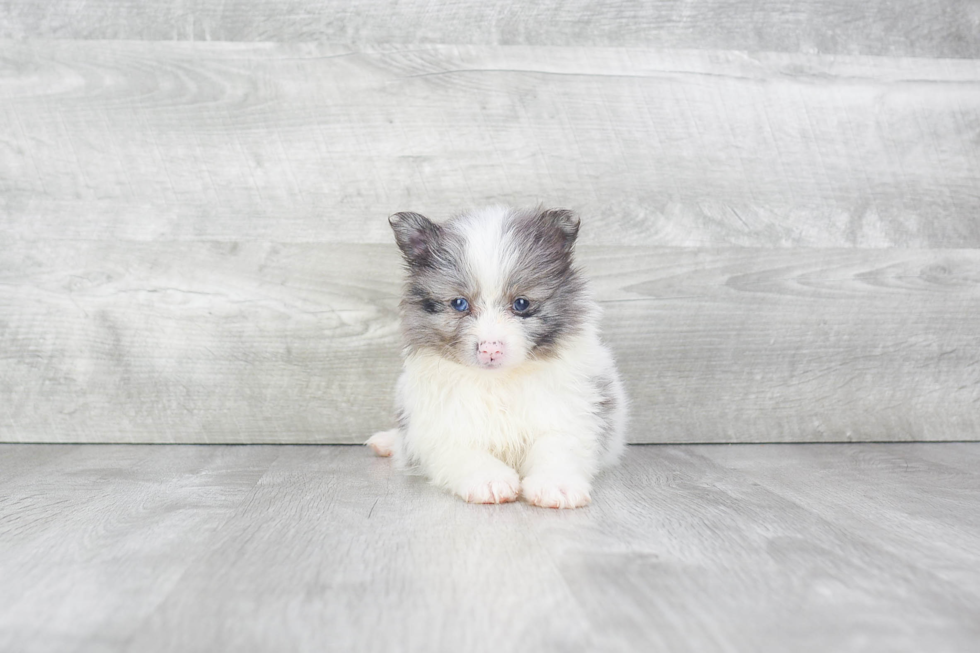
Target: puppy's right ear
(417, 237)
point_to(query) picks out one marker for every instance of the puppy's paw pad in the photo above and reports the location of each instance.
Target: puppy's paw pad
(554, 493)
(501, 490)
(383, 443)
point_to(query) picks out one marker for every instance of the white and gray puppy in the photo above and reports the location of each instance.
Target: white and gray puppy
(507, 389)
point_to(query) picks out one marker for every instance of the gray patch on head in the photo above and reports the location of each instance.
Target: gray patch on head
(434, 260)
(544, 240)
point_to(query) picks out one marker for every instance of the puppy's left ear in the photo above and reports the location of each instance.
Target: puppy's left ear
(417, 237)
(566, 221)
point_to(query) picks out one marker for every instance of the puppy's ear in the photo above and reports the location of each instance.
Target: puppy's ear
(417, 237)
(565, 221)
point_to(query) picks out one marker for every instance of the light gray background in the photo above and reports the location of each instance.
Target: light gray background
(781, 207)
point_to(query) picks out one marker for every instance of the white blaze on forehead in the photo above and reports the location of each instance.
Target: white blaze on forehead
(489, 253)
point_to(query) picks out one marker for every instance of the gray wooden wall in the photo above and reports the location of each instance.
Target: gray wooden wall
(781, 205)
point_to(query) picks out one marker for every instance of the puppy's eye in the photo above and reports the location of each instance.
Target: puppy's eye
(460, 304)
(521, 304)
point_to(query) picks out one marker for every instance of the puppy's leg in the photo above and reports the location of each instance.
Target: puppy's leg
(383, 443)
(558, 473)
(474, 475)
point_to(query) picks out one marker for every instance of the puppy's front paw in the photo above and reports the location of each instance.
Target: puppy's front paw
(383, 442)
(556, 492)
(503, 488)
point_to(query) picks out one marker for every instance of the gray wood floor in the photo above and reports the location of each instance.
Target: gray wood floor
(818, 547)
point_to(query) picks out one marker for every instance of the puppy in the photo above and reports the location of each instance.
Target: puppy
(507, 389)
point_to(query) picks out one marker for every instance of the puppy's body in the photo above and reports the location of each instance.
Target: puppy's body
(507, 388)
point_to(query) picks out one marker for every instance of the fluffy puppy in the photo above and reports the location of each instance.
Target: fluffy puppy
(507, 389)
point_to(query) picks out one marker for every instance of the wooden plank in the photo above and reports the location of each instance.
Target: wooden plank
(228, 342)
(94, 541)
(917, 509)
(924, 28)
(216, 342)
(713, 561)
(300, 143)
(345, 554)
(958, 455)
(796, 345)
(302, 549)
(23, 459)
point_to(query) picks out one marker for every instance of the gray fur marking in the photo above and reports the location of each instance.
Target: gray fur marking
(544, 274)
(605, 409)
(402, 419)
(436, 274)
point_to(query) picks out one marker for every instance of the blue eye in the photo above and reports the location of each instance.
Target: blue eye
(521, 304)
(459, 304)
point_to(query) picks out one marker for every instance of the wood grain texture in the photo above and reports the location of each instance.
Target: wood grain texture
(914, 498)
(199, 342)
(736, 549)
(804, 345)
(923, 28)
(273, 342)
(93, 541)
(818, 570)
(959, 456)
(22, 460)
(300, 143)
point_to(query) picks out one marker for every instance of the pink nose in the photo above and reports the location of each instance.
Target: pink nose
(489, 352)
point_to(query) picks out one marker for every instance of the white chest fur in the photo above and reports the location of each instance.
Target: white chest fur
(503, 412)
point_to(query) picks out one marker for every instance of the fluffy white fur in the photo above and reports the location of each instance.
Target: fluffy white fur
(526, 425)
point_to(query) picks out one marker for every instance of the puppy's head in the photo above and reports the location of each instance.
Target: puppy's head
(493, 288)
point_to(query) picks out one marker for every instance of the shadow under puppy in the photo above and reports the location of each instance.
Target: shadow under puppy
(507, 389)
